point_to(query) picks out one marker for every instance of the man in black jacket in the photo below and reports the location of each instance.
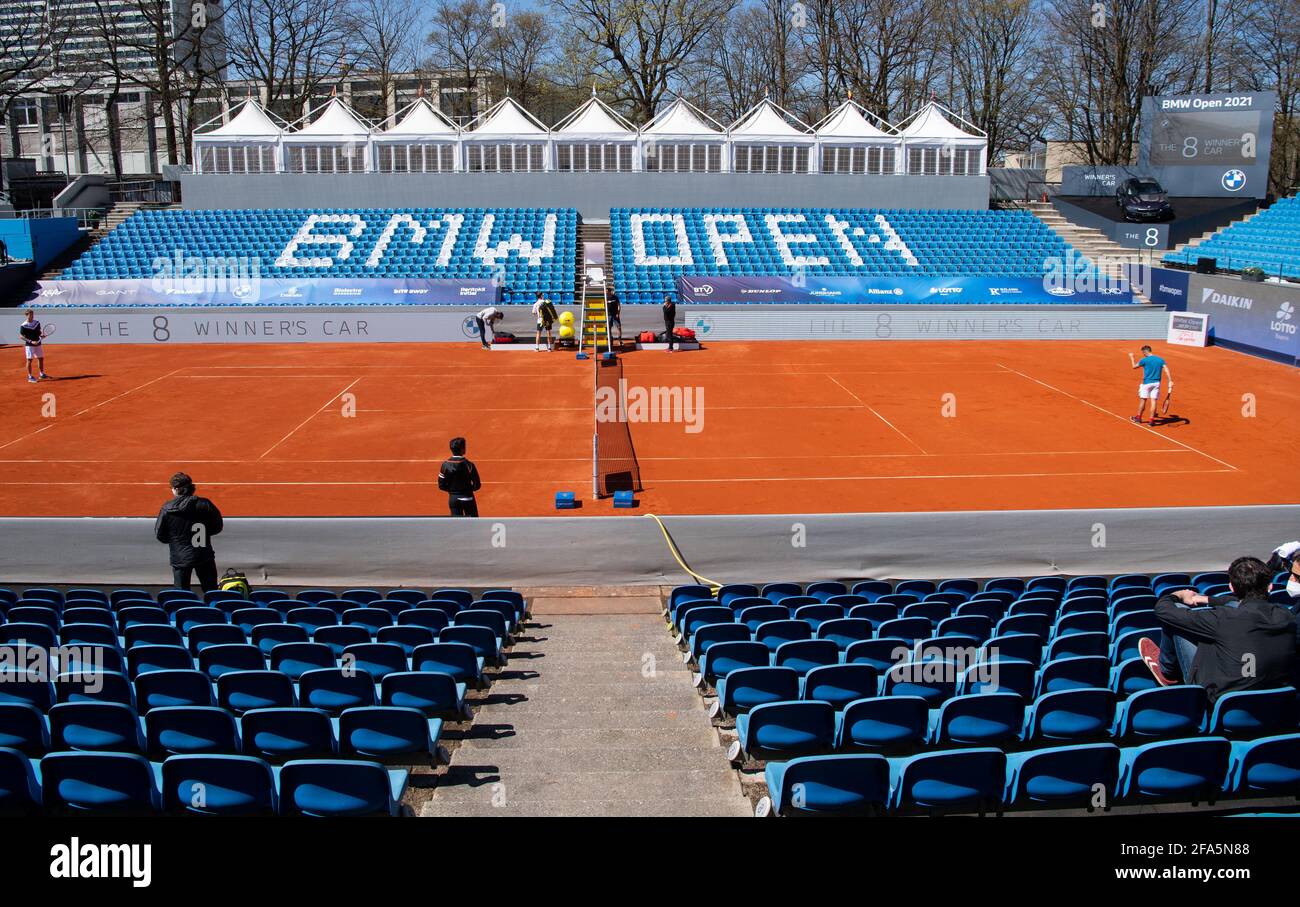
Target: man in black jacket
(670, 320)
(1240, 642)
(459, 478)
(186, 524)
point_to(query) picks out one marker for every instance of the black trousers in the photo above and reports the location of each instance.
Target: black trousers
(462, 506)
(206, 572)
(668, 329)
(482, 331)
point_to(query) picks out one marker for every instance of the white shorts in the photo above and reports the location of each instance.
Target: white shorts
(34, 352)
(1149, 391)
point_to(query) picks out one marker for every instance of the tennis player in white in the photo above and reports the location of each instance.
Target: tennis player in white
(32, 333)
(1153, 367)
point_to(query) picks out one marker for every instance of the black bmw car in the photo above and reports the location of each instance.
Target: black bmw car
(1143, 199)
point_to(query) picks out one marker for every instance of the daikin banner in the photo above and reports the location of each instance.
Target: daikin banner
(890, 290)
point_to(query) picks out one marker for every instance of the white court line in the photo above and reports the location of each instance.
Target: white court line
(864, 456)
(1125, 419)
(654, 482)
(309, 418)
(836, 382)
(89, 408)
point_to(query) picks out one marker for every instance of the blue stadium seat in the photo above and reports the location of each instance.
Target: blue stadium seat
(277, 734)
(99, 783)
(327, 787)
(969, 780)
(1070, 716)
(980, 719)
(724, 657)
(454, 658)
(186, 730)
(783, 730)
(23, 728)
(242, 691)
(883, 723)
(1176, 711)
(20, 789)
(386, 733)
(1245, 714)
(816, 785)
(840, 684)
(95, 727)
(1062, 776)
(218, 785)
(433, 694)
(1265, 766)
(1182, 770)
(335, 689)
(745, 688)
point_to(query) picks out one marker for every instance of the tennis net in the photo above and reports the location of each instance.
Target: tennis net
(615, 465)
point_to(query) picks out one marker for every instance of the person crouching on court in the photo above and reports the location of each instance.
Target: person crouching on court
(186, 524)
(486, 320)
(459, 478)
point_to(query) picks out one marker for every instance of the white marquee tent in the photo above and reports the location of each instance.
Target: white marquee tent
(934, 146)
(594, 138)
(682, 138)
(420, 140)
(248, 143)
(851, 139)
(770, 139)
(336, 141)
(506, 138)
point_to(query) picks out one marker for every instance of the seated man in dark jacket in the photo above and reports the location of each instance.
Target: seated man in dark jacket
(459, 478)
(1240, 642)
(186, 524)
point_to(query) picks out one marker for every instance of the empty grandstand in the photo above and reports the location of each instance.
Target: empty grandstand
(1269, 241)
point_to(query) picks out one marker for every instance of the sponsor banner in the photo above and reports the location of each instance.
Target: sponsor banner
(1094, 180)
(333, 324)
(1208, 145)
(1165, 286)
(887, 290)
(235, 290)
(1188, 328)
(1265, 316)
(1142, 236)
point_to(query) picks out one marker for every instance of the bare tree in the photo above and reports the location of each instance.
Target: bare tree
(290, 48)
(644, 45)
(462, 42)
(522, 48)
(385, 33)
(1270, 52)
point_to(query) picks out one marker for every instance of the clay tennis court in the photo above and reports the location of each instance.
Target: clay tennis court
(785, 427)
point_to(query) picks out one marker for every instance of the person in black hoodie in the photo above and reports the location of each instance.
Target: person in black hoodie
(1241, 641)
(186, 524)
(459, 478)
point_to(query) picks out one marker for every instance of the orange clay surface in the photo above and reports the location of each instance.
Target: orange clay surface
(787, 427)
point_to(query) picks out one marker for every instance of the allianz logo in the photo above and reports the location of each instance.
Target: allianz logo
(878, 291)
(1234, 302)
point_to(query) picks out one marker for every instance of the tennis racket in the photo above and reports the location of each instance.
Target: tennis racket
(1164, 405)
(47, 331)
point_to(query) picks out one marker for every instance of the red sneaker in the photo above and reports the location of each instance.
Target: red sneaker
(1135, 419)
(1150, 653)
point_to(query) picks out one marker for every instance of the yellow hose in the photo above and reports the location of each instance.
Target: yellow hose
(672, 546)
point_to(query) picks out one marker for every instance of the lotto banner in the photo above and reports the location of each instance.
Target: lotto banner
(900, 290)
(249, 290)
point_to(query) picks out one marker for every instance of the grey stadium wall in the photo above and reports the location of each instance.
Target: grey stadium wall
(631, 550)
(425, 324)
(593, 194)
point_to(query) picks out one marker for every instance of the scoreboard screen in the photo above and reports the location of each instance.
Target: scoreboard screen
(1227, 138)
(1208, 144)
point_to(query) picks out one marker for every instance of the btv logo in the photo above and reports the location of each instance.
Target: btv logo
(1233, 180)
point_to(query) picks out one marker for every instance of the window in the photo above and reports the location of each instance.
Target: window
(237, 158)
(505, 158)
(24, 112)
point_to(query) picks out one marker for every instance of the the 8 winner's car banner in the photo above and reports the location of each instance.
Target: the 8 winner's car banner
(886, 290)
(255, 290)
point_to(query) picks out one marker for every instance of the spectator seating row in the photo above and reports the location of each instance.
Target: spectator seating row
(985, 779)
(213, 785)
(1270, 241)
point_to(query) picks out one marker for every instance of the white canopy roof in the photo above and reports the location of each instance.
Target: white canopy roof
(849, 123)
(596, 120)
(505, 119)
(929, 124)
(250, 124)
(337, 123)
(419, 122)
(766, 121)
(681, 119)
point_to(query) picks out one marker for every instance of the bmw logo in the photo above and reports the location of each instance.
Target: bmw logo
(703, 324)
(1233, 180)
(469, 327)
